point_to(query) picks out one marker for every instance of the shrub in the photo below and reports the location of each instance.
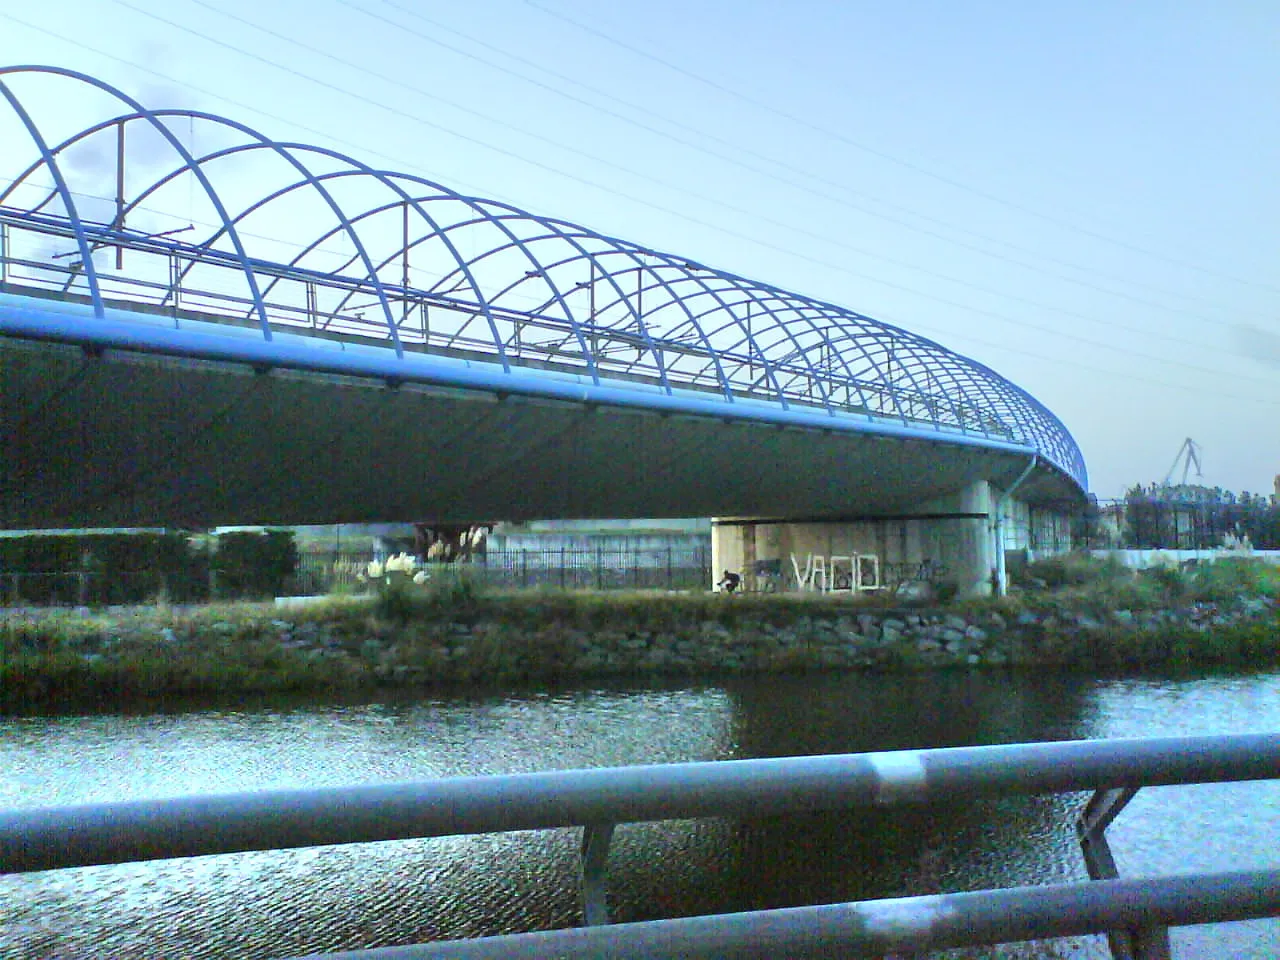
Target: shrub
(1230, 577)
(254, 564)
(1072, 570)
(1171, 580)
(945, 591)
(404, 592)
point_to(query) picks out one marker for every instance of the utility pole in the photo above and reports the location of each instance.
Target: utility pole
(119, 224)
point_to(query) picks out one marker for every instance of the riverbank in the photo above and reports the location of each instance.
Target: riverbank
(520, 639)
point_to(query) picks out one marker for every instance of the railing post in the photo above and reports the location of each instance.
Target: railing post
(175, 281)
(1144, 943)
(595, 855)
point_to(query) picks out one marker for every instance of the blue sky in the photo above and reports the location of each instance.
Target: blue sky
(1082, 196)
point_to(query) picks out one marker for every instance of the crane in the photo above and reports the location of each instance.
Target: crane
(1188, 454)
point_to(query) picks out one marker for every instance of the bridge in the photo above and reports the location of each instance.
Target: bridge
(202, 325)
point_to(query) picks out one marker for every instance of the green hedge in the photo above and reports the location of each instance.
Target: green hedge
(122, 568)
(254, 565)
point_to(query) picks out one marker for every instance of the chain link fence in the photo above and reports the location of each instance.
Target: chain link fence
(598, 568)
(569, 568)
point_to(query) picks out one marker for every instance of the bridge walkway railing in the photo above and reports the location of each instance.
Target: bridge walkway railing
(1134, 913)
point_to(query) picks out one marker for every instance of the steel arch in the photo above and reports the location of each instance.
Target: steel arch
(684, 326)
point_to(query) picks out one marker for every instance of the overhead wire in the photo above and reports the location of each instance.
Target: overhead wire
(835, 267)
(830, 241)
(395, 111)
(884, 155)
(738, 149)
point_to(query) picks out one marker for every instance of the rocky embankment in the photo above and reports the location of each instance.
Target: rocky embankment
(142, 654)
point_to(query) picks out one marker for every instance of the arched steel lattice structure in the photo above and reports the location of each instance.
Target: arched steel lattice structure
(389, 257)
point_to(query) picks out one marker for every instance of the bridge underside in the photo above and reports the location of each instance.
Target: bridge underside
(113, 438)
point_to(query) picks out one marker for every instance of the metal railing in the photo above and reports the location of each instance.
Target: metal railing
(293, 306)
(1134, 913)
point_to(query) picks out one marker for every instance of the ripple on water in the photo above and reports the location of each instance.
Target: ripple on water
(291, 902)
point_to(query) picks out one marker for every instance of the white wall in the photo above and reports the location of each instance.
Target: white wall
(1141, 559)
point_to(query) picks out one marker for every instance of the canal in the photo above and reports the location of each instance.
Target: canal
(284, 903)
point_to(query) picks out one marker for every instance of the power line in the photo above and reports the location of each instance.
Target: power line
(240, 104)
(891, 158)
(735, 159)
(816, 261)
(830, 241)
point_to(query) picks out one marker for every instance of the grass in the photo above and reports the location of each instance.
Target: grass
(452, 630)
(1087, 582)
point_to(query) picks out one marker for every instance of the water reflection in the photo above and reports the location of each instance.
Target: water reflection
(281, 903)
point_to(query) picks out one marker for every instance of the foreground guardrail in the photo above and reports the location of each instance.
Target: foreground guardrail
(1135, 913)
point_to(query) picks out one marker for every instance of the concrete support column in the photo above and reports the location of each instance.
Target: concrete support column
(971, 552)
(959, 533)
(728, 547)
(749, 556)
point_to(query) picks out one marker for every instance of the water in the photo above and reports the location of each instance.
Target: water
(294, 902)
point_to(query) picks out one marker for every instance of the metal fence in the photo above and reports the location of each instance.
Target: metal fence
(1155, 523)
(601, 568)
(1135, 913)
(595, 568)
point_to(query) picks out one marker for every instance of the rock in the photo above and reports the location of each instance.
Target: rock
(955, 623)
(168, 636)
(976, 634)
(973, 659)
(833, 658)
(656, 659)
(952, 636)
(714, 631)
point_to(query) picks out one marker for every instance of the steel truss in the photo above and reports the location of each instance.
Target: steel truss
(399, 260)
